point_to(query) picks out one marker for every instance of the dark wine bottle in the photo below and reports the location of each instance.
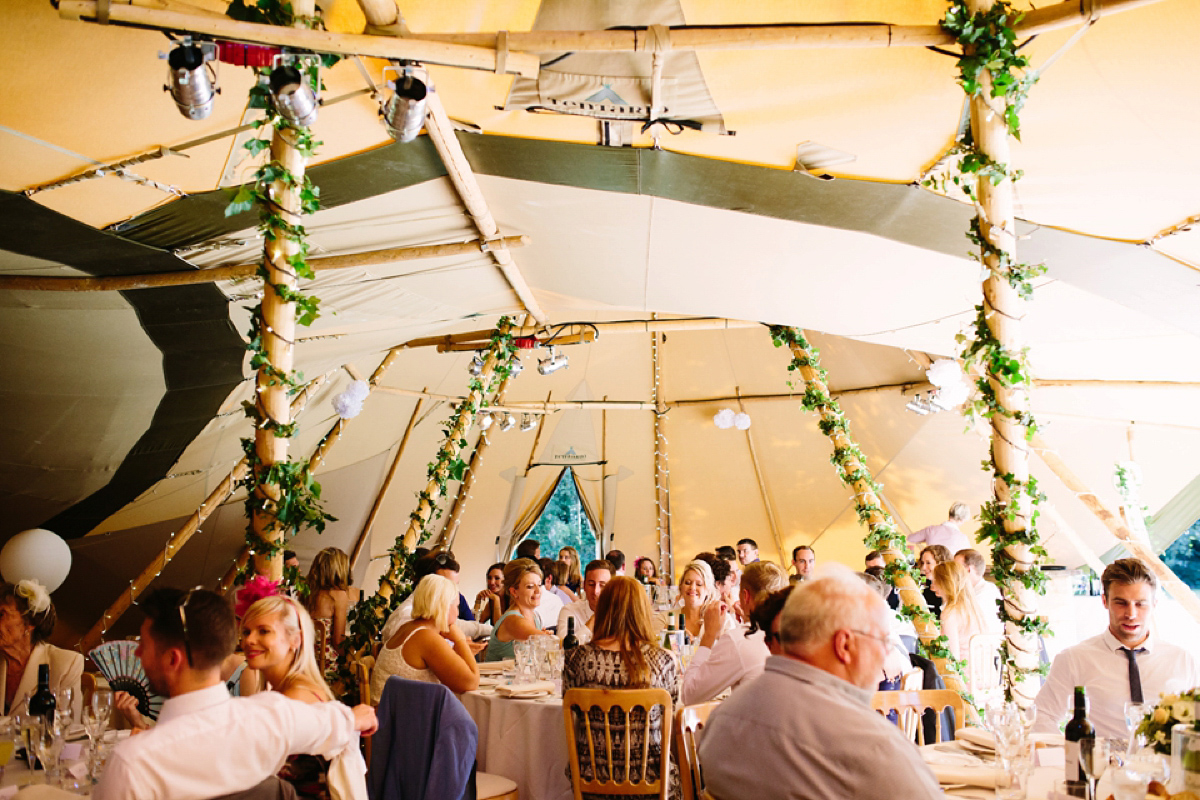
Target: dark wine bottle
(570, 641)
(42, 704)
(1077, 729)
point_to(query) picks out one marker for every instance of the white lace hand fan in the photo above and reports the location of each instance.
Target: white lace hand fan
(125, 673)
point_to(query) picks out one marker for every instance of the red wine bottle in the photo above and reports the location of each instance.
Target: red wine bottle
(1076, 730)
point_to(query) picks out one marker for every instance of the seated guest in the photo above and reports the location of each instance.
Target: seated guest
(962, 617)
(696, 590)
(874, 559)
(727, 553)
(570, 556)
(561, 572)
(550, 603)
(728, 656)
(529, 548)
(597, 576)
(522, 593)
(206, 743)
(617, 559)
(646, 572)
(430, 647)
(623, 655)
(277, 638)
(1128, 662)
(432, 563)
(805, 727)
(487, 602)
(930, 557)
(892, 597)
(448, 568)
(766, 618)
(804, 558)
(27, 619)
(986, 592)
(896, 663)
(330, 596)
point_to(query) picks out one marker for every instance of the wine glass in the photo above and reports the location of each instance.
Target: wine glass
(64, 706)
(1093, 758)
(101, 704)
(47, 740)
(1134, 714)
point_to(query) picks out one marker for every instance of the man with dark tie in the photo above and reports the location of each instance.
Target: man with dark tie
(1129, 662)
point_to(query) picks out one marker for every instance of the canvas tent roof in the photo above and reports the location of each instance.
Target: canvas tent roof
(123, 410)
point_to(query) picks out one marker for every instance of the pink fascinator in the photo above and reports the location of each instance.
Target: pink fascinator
(255, 589)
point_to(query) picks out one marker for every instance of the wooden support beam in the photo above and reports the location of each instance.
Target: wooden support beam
(481, 339)
(178, 539)
(370, 258)
(369, 525)
(458, 169)
(387, 46)
(587, 337)
(775, 37)
(1140, 549)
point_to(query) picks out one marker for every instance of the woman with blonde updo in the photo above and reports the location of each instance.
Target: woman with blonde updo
(520, 620)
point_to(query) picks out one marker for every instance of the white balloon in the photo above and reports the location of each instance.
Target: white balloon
(724, 418)
(36, 553)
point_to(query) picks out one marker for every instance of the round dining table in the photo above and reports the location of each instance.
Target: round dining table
(523, 740)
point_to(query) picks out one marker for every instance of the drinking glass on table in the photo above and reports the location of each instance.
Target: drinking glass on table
(1134, 714)
(8, 744)
(1093, 759)
(64, 705)
(47, 740)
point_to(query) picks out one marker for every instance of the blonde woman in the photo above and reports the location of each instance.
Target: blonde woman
(696, 589)
(570, 556)
(430, 647)
(277, 640)
(520, 620)
(330, 596)
(962, 616)
(728, 656)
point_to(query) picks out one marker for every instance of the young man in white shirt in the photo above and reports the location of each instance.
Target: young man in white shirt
(206, 743)
(1129, 662)
(986, 592)
(595, 578)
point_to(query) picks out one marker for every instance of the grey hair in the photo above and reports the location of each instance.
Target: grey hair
(959, 511)
(837, 600)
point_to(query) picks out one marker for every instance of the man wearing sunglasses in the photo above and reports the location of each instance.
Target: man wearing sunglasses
(207, 744)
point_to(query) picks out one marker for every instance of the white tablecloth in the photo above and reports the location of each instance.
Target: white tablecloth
(523, 740)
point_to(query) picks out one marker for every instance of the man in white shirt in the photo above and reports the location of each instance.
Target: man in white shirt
(947, 534)
(986, 592)
(550, 603)
(206, 743)
(1129, 662)
(595, 578)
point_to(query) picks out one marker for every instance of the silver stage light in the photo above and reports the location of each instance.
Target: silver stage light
(528, 422)
(292, 96)
(919, 405)
(485, 422)
(404, 112)
(193, 79)
(516, 367)
(507, 422)
(475, 368)
(553, 363)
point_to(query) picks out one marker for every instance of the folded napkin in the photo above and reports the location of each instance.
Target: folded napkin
(525, 689)
(488, 680)
(950, 774)
(949, 755)
(978, 737)
(496, 667)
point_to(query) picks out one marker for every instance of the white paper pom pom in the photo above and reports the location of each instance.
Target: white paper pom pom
(742, 421)
(724, 418)
(949, 397)
(944, 372)
(358, 390)
(347, 406)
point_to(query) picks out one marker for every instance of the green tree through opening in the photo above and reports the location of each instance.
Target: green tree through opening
(563, 522)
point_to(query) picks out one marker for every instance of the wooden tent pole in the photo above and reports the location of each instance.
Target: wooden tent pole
(1004, 311)
(450, 449)
(369, 525)
(775, 37)
(604, 474)
(121, 283)
(450, 529)
(1170, 581)
(388, 45)
(662, 485)
(190, 526)
(855, 472)
(481, 339)
(766, 495)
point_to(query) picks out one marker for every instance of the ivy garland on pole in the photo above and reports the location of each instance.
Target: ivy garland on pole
(993, 72)
(883, 535)
(286, 490)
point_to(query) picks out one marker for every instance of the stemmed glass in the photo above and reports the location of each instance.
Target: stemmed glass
(47, 739)
(1093, 758)
(64, 706)
(1134, 714)
(96, 715)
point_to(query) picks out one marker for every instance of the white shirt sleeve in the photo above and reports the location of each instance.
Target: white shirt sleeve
(1051, 701)
(712, 670)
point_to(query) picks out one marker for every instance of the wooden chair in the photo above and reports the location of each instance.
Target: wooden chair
(983, 664)
(87, 688)
(910, 705)
(912, 681)
(577, 705)
(689, 721)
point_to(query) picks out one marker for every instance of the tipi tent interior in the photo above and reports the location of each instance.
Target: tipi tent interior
(790, 194)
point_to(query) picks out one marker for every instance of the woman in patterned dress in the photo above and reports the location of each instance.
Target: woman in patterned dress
(623, 655)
